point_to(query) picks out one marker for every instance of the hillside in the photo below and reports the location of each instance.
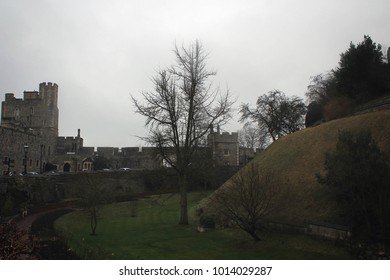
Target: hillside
(299, 156)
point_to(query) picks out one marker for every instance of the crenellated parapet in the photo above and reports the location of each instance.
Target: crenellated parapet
(49, 93)
(31, 95)
(36, 110)
(225, 137)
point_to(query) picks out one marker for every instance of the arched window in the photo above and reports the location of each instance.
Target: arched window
(66, 167)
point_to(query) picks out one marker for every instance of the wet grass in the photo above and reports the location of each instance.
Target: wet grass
(149, 230)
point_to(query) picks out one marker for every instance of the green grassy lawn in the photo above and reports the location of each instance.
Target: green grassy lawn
(154, 233)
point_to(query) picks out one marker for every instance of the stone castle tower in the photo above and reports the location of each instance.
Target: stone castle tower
(224, 146)
(31, 121)
(37, 110)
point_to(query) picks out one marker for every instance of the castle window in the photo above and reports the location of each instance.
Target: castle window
(17, 113)
(31, 111)
(226, 152)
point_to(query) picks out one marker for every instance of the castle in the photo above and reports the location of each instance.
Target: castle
(29, 140)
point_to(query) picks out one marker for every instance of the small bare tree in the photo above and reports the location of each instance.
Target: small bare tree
(246, 201)
(93, 196)
(252, 137)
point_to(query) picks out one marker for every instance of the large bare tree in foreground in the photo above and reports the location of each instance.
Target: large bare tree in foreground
(181, 110)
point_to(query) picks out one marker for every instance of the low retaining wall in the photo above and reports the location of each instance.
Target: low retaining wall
(324, 230)
(329, 232)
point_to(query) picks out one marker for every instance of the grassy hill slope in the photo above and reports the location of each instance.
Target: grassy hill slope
(296, 158)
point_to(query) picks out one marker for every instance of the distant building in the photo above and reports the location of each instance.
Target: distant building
(224, 146)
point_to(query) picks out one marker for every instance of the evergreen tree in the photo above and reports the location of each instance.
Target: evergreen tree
(362, 73)
(358, 174)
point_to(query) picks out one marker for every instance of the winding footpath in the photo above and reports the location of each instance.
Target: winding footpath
(24, 225)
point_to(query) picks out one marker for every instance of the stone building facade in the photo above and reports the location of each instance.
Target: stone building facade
(72, 156)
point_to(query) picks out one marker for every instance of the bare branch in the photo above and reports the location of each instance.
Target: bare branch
(246, 200)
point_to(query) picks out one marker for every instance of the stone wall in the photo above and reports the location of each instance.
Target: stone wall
(323, 230)
(43, 189)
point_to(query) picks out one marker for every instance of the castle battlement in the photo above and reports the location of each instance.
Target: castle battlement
(224, 137)
(10, 97)
(31, 95)
(46, 90)
(37, 109)
(48, 85)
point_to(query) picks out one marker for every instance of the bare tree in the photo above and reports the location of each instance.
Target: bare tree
(93, 196)
(181, 110)
(322, 88)
(247, 200)
(252, 137)
(276, 113)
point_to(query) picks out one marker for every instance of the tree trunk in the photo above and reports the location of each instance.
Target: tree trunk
(255, 237)
(183, 200)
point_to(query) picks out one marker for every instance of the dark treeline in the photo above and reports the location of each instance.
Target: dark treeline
(363, 74)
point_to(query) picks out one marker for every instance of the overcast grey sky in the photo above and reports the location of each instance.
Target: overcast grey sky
(99, 52)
